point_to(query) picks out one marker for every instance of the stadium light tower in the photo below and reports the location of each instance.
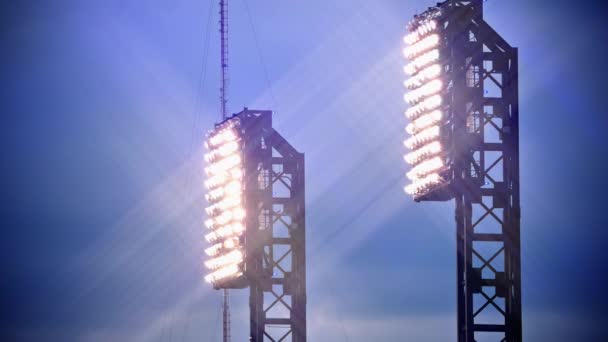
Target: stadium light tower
(256, 223)
(463, 144)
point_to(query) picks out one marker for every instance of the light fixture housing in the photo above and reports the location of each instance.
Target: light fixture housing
(225, 224)
(427, 94)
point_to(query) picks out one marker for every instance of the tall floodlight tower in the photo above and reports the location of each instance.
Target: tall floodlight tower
(463, 144)
(256, 223)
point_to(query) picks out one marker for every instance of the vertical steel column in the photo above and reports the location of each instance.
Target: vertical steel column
(275, 232)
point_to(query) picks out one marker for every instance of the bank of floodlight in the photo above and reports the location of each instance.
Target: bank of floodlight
(225, 224)
(425, 95)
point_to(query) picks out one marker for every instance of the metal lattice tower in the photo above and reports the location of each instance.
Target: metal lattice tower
(486, 130)
(480, 130)
(275, 235)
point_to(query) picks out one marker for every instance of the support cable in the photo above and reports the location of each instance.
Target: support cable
(260, 56)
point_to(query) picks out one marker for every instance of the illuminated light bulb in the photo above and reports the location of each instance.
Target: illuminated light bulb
(228, 148)
(210, 237)
(432, 165)
(425, 74)
(227, 231)
(210, 209)
(238, 227)
(224, 164)
(422, 30)
(421, 61)
(411, 38)
(236, 174)
(208, 156)
(433, 102)
(230, 243)
(213, 250)
(227, 259)
(233, 188)
(223, 273)
(216, 139)
(423, 137)
(215, 194)
(420, 185)
(229, 202)
(215, 181)
(427, 27)
(428, 104)
(424, 121)
(209, 223)
(423, 152)
(229, 135)
(224, 218)
(238, 214)
(421, 46)
(428, 89)
(223, 136)
(224, 231)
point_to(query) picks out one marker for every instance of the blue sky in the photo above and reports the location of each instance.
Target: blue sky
(105, 104)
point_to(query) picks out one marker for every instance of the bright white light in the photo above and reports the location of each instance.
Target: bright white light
(230, 243)
(427, 135)
(429, 166)
(224, 217)
(424, 75)
(225, 195)
(238, 214)
(428, 104)
(421, 46)
(411, 38)
(209, 223)
(211, 237)
(421, 61)
(425, 151)
(213, 250)
(221, 166)
(232, 257)
(231, 271)
(425, 97)
(431, 88)
(422, 30)
(215, 181)
(214, 194)
(424, 121)
(233, 188)
(420, 185)
(225, 231)
(223, 136)
(427, 27)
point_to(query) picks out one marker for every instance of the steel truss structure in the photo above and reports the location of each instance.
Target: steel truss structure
(275, 231)
(485, 112)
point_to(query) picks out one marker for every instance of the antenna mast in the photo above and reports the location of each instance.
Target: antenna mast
(224, 56)
(224, 111)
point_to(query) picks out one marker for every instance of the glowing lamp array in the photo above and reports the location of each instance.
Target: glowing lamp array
(225, 223)
(424, 95)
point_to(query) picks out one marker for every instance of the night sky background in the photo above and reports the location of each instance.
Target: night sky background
(104, 108)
